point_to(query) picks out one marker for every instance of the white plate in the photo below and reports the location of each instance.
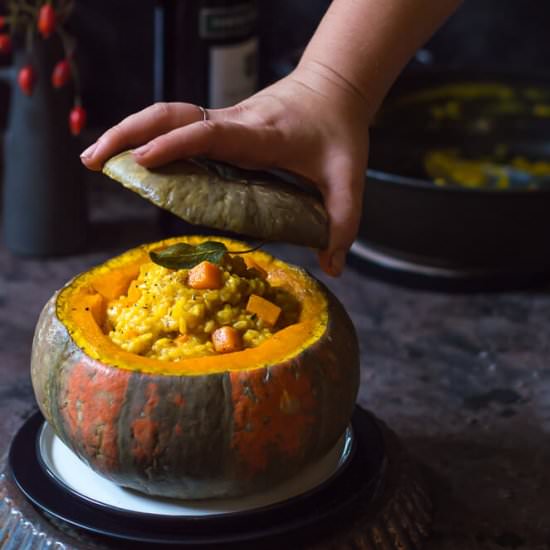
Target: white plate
(78, 477)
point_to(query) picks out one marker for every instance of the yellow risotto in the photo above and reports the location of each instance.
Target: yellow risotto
(163, 317)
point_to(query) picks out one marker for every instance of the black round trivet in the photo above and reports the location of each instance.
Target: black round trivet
(375, 503)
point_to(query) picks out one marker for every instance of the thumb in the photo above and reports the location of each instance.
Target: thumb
(343, 195)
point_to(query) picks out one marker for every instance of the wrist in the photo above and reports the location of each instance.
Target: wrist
(337, 88)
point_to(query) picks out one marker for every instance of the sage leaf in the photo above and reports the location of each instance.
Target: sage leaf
(186, 256)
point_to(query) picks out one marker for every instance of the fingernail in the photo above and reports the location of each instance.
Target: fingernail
(337, 261)
(140, 151)
(89, 151)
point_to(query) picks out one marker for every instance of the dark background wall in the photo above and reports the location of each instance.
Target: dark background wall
(504, 35)
(115, 45)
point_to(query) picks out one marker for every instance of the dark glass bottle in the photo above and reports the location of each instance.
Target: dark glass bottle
(206, 52)
(209, 52)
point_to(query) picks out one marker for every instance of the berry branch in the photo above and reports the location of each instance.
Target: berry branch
(46, 18)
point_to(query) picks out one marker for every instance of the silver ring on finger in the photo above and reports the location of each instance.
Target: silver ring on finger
(204, 113)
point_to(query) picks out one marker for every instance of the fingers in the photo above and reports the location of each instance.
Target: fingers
(257, 135)
(223, 140)
(343, 197)
(139, 128)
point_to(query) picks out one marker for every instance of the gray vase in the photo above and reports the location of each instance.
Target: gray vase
(44, 199)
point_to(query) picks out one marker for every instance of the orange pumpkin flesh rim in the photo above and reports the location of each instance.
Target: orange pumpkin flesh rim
(112, 279)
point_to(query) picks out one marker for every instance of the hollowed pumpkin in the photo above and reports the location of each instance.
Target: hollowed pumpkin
(214, 426)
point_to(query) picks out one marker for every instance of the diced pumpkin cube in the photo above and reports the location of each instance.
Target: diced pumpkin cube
(205, 275)
(227, 339)
(254, 269)
(267, 311)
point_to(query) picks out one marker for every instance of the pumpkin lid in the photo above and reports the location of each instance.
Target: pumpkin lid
(260, 205)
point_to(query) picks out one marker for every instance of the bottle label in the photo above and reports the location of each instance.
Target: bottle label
(227, 22)
(233, 74)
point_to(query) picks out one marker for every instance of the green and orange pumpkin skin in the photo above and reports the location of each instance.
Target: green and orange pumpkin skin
(209, 427)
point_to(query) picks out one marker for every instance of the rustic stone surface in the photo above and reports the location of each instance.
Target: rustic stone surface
(463, 379)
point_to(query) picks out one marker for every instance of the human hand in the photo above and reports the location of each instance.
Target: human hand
(312, 123)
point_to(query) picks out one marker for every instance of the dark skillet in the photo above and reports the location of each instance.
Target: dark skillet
(487, 237)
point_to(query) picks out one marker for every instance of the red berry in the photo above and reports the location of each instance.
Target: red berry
(26, 79)
(77, 119)
(61, 73)
(5, 43)
(46, 20)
